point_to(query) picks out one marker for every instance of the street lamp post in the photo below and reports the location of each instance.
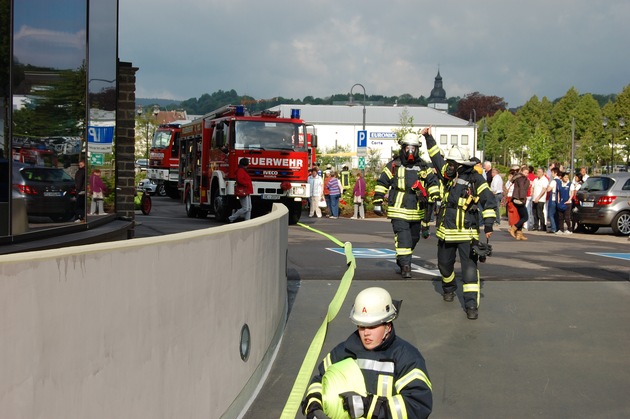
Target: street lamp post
(364, 97)
(473, 122)
(483, 140)
(621, 122)
(350, 99)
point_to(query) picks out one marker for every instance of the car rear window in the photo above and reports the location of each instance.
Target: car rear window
(626, 186)
(46, 175)
(597, 184)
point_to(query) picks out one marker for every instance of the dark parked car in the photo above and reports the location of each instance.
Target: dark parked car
(48, 191)
(604, 203)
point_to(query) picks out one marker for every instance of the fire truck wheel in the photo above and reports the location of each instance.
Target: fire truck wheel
(191, 211)
(172, 192)
(295, 211)
(222, 209)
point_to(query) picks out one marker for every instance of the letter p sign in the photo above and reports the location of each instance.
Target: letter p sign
(361, 138)
(93, 135)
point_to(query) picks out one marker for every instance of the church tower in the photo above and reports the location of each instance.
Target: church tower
(437, 100)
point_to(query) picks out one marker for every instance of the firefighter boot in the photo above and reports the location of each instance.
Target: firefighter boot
(448, 296)
(512, 231)
(472, 313)
(406, 271)
(520, 235)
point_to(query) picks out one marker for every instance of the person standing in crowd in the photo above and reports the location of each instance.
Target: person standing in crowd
(531, 176)
(408, 183)
(487, 168)
(564, 203)
(79, 184)
(508, 190)
(392, 371)
(334, 190)
(496, 186)
(539, 198)
(519, 198)
(98, 191)
(327, 177)
(317, 191)
(344, 178)
(552, 202)
(584, 173)
(465, 192)
(577, 185)
(358, 194)
(243, 181)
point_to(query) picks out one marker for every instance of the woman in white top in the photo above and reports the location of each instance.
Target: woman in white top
(317, 193)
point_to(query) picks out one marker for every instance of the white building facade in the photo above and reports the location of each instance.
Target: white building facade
(339, 126)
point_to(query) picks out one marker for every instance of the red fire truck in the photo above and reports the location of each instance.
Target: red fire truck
(277, 148)
(164, 158)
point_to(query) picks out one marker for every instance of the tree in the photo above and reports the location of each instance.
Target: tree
(406, 125)
(499, 146)
(482, 105)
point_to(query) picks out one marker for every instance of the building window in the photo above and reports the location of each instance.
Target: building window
(464, 139)
(443, 139)
(453, 140)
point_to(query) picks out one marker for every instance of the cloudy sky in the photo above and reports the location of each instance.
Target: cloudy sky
(511, 49)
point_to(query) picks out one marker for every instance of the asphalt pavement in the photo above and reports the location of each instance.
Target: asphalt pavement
(551, 340)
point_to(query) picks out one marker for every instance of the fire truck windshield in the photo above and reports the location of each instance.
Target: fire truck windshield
(260, 135)
(162, 139)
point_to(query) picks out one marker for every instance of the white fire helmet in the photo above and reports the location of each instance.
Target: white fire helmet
(460, 156)
(373, 306)
(411, 139)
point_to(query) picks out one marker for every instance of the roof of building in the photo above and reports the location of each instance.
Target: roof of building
(374, 115)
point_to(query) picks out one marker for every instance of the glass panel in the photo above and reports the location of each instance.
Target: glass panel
(48, 76)
(443, 139)
(5, 60)
(453, 139)
(103, 30)
(464, 139)
(257, 135)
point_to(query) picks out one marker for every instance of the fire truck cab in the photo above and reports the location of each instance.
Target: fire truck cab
(164, 158)
(277, 149)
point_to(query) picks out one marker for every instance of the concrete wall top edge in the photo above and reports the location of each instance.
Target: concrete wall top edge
(278, 211)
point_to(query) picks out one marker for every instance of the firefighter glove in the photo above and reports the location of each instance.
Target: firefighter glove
(425, 232)
(316, 414)
(378, 210)
(355, 404)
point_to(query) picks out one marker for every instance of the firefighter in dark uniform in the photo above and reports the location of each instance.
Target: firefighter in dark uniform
(344, 177)
(391, 378)
(465, 193)
(409, 183)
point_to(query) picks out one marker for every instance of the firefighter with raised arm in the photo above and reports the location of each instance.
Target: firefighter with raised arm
(465, 193)
(409, 183)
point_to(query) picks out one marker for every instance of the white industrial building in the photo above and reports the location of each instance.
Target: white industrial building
(339, 125)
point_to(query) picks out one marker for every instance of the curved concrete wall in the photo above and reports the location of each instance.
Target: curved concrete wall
(143, 328)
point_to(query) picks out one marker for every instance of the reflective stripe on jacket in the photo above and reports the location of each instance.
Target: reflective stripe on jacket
(397, 182)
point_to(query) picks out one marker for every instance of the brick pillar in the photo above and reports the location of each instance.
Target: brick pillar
(126, 143)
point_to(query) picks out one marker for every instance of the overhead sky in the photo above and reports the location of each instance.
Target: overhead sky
(268, 48)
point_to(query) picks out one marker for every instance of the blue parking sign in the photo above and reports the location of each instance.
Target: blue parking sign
(362, 138)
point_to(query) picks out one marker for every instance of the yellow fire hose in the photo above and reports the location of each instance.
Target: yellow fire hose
(310, 360)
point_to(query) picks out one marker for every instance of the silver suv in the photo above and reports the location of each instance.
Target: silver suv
(604, 203)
